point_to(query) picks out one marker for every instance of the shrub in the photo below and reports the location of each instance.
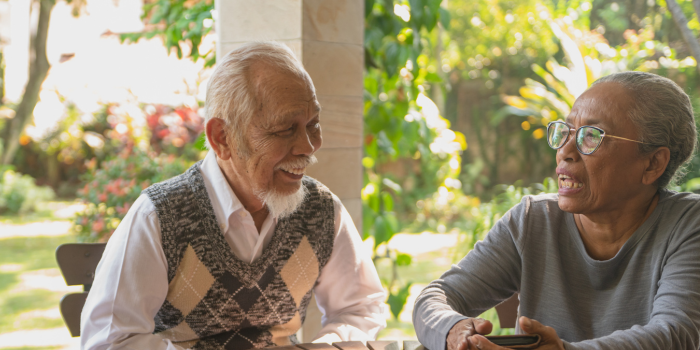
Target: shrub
(468, 215)
(58, 155)
(19, 193)
(111, 189)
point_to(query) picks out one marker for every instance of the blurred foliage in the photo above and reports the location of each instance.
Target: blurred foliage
(19, 194)
(58, 155)
(110, 190)
(404, 130)
(135, 146)
(179, 23)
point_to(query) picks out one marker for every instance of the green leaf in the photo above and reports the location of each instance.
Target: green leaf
(367, 220)
(380, 232)
(403, 259)
(391, 55)
(416, 11)
(388, 201)
(392, 224)
(444, 18)
(398, 301)
(201, 144)
(433, 78)
(369, 4)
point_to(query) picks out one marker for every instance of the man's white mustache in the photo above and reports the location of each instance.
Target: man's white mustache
(298, 163)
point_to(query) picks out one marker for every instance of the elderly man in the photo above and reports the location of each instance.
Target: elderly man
(227, 255)
(611, 261)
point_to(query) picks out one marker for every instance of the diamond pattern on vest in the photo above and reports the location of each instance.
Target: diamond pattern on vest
(191, 283)
(301, 271)
(217, 301)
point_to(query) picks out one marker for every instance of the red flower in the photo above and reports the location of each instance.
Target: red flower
(98, 225)
(123, 209)
(102, 197)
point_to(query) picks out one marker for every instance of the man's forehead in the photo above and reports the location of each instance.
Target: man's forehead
(282, 113)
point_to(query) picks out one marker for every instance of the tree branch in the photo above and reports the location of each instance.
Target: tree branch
(38, 69)
(682, 24)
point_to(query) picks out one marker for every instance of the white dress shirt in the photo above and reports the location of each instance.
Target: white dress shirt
(131, 280)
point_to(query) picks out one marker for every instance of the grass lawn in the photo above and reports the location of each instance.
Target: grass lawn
(31, 284)
(26, 262)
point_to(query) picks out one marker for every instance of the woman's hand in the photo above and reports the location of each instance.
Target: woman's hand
(550, 339)
(457, 338)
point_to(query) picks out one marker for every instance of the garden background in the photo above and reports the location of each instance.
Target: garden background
(457, 97)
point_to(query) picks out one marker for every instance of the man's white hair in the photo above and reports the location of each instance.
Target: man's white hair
(231, 93)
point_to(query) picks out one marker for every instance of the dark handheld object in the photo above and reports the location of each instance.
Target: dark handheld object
(522, 341)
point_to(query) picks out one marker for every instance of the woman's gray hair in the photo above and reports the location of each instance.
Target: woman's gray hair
(232, 95)
(663, 116)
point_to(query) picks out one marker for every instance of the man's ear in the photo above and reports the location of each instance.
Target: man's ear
(218, 140)
(657, 162)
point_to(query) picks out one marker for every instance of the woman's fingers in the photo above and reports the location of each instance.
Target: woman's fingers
(550, 338)
(533, 327)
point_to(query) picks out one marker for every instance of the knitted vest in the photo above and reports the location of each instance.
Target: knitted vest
(217, 301)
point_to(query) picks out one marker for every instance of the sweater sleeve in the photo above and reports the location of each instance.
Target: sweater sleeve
(489, 274)
(675, 317)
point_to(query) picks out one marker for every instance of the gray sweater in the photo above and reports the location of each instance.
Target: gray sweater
(646, 297)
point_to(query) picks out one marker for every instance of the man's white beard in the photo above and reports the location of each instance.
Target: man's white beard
(282, 205)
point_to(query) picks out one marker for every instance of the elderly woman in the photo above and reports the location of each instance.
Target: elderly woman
(610, 262)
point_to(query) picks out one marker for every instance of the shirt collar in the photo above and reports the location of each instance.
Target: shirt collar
(222, 197)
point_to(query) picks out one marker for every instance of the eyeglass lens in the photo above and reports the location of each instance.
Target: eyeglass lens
(587, 138)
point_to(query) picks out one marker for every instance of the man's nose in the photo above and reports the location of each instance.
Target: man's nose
(303, 145)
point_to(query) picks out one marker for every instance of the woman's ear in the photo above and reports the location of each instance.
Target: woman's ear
(657, 162)
(218, 139)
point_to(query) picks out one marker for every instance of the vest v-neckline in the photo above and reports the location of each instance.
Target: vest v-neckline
(248, 273)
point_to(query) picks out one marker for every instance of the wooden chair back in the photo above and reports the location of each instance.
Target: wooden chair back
(77, 262)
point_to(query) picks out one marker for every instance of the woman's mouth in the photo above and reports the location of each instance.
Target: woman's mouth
(567, 182)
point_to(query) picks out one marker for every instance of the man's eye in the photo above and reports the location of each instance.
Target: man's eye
(285, 132)
(315, 125)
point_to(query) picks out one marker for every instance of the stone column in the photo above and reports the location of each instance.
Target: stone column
(327, 37)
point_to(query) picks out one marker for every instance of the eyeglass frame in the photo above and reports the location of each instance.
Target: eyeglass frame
(576, 130)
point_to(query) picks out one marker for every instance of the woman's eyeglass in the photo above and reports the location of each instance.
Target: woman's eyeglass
(588, 138)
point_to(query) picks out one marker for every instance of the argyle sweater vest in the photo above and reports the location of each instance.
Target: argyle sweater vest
(217, 301)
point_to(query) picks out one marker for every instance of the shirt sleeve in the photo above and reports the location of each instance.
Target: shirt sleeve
(130, 286)
(349, 293)
(489, 274)
(675, 317)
